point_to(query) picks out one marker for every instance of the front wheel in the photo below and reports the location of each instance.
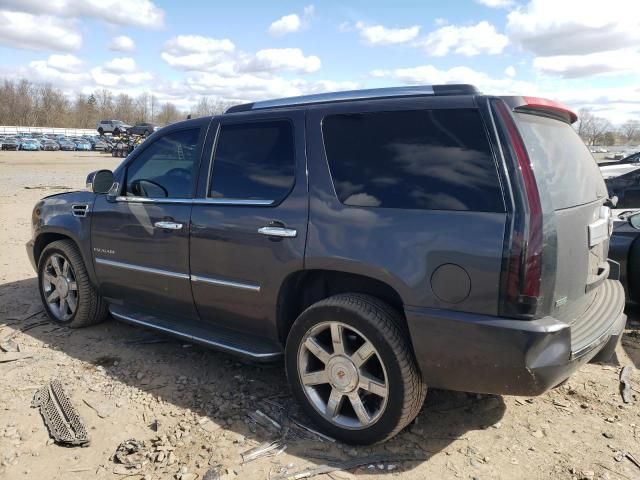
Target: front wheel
(351, 366)
(68, 296)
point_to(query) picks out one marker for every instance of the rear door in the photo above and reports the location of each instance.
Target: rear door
(249, 223)
(573, 191)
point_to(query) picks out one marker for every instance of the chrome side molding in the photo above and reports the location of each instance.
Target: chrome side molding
(226, 283)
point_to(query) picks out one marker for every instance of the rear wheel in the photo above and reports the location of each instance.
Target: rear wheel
(101, 131)
(68, 296)
(351, 367)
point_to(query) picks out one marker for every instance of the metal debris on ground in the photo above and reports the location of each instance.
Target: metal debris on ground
(632, 459)
(349, 465)
(322, 436)
(625, 383)
(269, 449)
(59, 415)
(102, 409)
(265, 420)
(130, 453)
(8, 345)
(13, 356)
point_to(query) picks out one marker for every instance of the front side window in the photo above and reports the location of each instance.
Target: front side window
(419, 159)
(254, 161)
(165, 169)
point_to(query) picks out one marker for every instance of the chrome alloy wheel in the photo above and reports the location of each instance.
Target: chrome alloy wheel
(60, 287)
(342, 375)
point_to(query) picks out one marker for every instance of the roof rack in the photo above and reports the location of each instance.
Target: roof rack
(372, 93)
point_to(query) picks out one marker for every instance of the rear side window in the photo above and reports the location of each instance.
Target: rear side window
(561, 160)
(422, 159)
(254, 161)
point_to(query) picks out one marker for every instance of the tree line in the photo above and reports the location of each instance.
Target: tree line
(41, 105)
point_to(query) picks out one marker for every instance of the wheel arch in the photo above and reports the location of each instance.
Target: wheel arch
(303, 288)
(49, 236)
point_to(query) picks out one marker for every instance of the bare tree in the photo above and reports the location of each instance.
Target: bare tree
(630, 131)
(207, 106)
(592, 128)
(168, 114)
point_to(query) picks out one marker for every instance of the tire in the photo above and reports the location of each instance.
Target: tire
(101, 131)
(90, 308)
(399, 388)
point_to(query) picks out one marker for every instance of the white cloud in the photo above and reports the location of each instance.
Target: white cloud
(64, 63)
(309, 10)
(205, 54)
(495, 3)
(292, 59)
(575, 66)
(38, 32)
(430, 75)
(381, 35)
(122, 43)
(510, 71)
(469, 41)
(286, 24)
(575, 27)
(142, 13)
(106, 78)
(121, 65)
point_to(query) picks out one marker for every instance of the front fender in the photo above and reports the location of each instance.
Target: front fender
(52, 218)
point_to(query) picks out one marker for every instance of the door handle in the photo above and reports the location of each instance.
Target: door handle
(168, 225)
(278, 232)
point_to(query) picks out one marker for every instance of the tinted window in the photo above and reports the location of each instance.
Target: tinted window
(254, 161)
(166, 167)
(561, 160)
(425, 159)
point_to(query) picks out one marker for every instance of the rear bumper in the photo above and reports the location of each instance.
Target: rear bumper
(484, 354)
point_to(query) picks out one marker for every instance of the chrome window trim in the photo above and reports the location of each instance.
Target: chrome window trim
(221, 345)
(198, 201)
(140, 268)
(226, 283)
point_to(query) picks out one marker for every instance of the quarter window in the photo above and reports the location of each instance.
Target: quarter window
(422, 159)
(254, 161)
(166, 167)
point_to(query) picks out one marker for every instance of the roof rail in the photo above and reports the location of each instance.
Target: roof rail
(372, 93)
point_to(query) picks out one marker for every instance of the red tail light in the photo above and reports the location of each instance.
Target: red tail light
(524, 269)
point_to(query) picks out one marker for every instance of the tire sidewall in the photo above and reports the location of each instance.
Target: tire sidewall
(48, 252)
(393, 410)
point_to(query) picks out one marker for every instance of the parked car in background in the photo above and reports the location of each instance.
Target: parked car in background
(50, 145)
(143, 128)
(620, 167)
(66, 145)
(82, 144)
(9, 143)
(381, 241)
(29, 144)
(101, 144)
(114, 127)
(624, 248)
(627, 188)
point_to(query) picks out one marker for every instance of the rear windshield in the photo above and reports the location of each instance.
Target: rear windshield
(561, 160)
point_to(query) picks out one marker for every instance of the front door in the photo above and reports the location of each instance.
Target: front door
(249, 221)
(140, 240)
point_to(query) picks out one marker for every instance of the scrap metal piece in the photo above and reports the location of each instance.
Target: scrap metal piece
(268, 449)
(59, 415)
(625, 384)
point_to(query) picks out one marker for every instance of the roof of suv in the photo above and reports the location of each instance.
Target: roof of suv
(353, 95)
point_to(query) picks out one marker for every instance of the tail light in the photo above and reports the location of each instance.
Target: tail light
(522, 266)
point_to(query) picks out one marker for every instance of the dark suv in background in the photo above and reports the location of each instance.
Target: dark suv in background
(382, 241)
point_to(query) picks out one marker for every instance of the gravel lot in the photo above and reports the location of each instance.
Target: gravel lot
(190, 406)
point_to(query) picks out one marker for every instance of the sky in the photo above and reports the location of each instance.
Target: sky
(584, 53)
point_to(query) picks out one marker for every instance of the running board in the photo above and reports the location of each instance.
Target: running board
(226, 340)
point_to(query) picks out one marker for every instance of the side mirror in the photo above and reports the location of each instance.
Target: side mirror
(100, 181)
(634, 221)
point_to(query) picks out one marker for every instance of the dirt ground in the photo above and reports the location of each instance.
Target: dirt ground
(190, 406)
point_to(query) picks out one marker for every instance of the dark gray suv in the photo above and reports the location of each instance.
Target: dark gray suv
(381, 241)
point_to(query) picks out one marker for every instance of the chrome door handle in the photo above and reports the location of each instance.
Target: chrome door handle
(278, 232)
(168, 225)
